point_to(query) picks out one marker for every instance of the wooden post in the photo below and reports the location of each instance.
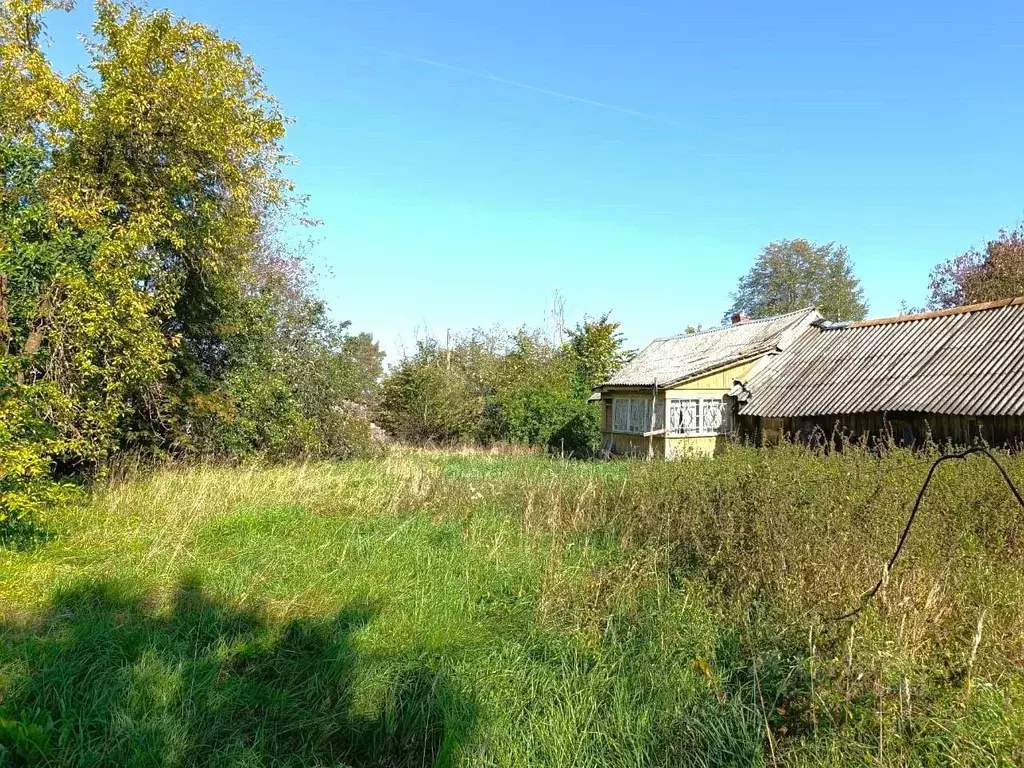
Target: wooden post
(654, 419)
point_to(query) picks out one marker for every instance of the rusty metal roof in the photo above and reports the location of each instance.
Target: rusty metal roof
(676, 359)
(967, 361)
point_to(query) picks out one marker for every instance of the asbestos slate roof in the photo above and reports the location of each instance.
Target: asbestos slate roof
(966, 361)
(679, 358)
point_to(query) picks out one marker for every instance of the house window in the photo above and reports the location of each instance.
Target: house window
(714, 413)
(620, 414)
(699, 416)
(632, 415)
(639, 415)
(684, 417)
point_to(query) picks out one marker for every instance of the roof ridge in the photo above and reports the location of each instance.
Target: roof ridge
(803, 311)
(967, 308)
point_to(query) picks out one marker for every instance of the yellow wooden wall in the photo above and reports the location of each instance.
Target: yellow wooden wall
(634, 445)
(714, 384)
(719, 382)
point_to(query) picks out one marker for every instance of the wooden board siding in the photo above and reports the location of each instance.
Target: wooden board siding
(702, 445)
(634, 445)
(908, 429)
(717, 383)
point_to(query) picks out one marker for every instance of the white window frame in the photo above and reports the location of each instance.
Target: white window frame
(632, 415)
(703, 407)
(679, 404)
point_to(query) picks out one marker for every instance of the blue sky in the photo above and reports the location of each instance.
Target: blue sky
(470, 159)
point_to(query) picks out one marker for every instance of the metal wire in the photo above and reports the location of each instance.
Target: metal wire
(913, 515)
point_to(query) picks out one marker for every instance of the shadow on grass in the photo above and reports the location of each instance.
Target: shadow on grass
(106, 679)
(24, 536)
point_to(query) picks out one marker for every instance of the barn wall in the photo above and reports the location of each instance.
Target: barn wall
(908, 429)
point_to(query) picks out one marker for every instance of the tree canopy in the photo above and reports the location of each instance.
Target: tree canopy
(997, 272)
(790, 275)
(148, 300)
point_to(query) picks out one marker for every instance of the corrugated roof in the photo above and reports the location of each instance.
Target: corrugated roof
(967, 361)
(678, 358)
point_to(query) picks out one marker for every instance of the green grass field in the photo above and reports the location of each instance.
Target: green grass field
(486, 610)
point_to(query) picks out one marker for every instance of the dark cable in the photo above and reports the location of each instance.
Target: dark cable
(913, 514)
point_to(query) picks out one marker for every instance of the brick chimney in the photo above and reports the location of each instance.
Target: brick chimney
(737, 319)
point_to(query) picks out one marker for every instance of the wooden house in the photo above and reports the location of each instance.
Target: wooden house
(953, 375)
(673, 397)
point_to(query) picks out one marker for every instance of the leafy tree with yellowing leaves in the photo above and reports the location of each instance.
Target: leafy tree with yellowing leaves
(140, 206)
(997, 272)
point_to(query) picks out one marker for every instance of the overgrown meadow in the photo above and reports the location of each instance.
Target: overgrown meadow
(489, 609)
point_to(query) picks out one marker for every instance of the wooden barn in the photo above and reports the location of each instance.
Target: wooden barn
(673, 397)
(953, 375)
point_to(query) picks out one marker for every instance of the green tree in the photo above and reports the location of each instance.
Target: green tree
(30, 257)
(976, 276)
(293, 380)
(423, 400)
(518, 387)
(152, 184)
(362, 364)
(75, 324)
(531, 391)
(596, 349)
(181, 147)
(790, 275)
(146, 297)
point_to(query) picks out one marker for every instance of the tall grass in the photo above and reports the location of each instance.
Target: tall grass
(489, 609)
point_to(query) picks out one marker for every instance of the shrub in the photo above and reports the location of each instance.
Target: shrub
(423, 402)
(26, 442)
(579, 434)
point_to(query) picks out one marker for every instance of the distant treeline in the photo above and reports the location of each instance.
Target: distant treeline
(521, 387)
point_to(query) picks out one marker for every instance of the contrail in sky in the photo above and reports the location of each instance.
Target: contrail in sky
(525, 86)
